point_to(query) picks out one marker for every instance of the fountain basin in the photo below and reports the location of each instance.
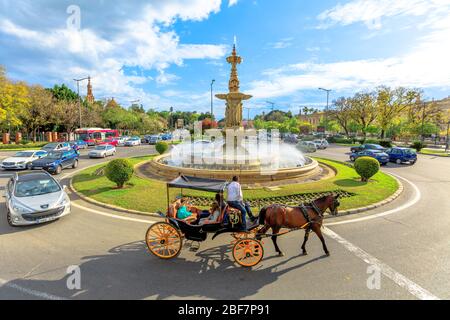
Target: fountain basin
(159, 169)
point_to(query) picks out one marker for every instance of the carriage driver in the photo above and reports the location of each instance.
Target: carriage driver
(235, 199)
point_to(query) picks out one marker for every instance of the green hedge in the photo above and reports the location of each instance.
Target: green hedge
(23, 145)
(367, 167)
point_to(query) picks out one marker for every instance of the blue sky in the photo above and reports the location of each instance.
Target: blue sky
(165, 52)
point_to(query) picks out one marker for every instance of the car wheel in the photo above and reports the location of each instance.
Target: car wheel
(9, 219)
(352, 159)
(398, 161)
(58, 169)
(75, 164)
(28, 166)
(104, 155)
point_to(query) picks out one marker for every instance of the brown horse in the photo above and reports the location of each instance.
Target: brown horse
(276, 217)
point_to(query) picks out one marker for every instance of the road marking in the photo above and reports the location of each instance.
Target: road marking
(417, 197)
(412, 287)
(112, 215)
(38, 294)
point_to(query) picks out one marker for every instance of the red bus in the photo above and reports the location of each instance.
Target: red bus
(94, 136)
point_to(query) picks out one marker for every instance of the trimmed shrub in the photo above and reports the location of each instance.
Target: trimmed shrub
(119, 171)
(418, 145)
(367, 167)
(162, 147)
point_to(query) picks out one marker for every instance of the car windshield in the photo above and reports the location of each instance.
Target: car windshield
(54, 155)
(36, 187)
(24, 154)
(51, 146)
(100, 148)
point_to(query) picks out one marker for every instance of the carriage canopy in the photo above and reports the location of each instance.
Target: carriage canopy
(196, 183)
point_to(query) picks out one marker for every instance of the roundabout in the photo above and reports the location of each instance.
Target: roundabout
(108, 263)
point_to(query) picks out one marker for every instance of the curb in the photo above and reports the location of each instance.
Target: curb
(375, 205)
(327, 217)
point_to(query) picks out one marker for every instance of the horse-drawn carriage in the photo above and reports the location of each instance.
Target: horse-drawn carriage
(165, 239)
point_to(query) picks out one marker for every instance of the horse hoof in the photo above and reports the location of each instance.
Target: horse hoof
(305, 253)
(327, 254)
(280, 254)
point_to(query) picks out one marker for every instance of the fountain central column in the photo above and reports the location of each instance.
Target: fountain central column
(234, 98)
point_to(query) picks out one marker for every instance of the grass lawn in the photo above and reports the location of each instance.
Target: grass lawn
(433, 152)
(150, 195)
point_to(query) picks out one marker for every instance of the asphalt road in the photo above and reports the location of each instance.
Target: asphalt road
(410, 248)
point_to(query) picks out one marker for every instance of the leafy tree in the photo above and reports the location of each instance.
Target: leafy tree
(62, 92)
(39, 113)
(391, 103)
(341, 113)
(14, 101)
(364, 110)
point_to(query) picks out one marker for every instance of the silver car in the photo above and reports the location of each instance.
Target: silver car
(102, 151)
(34, 198)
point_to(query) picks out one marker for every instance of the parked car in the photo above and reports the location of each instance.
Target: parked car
(367, 147)
(121, 140)
(56, 161)
(102, 151)
(78, 144)
(154, 139)
(321, 144)
(135, 141)
(57, 146)
(307, 146)
(401, 155)
(382, 157)
(112, 142)
(291, 138)
(22, 159)
(35, 197)
(166, 136)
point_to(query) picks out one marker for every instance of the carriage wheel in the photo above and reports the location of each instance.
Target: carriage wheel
(163, 240)
(248, 252)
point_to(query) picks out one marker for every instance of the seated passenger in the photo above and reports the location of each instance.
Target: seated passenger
(183, 212)
(213, 216)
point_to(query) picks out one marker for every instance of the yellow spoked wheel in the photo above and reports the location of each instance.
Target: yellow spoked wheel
(248, 252)
(163, 240)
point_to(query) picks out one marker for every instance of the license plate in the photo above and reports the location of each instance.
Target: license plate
(43, 220)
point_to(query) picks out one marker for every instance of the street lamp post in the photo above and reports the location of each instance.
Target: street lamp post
(326, 110)
(79, 99)
(212, 106)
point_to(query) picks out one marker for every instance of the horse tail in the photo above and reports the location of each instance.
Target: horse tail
(262, 216)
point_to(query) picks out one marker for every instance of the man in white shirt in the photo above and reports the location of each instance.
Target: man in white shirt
(235, 200)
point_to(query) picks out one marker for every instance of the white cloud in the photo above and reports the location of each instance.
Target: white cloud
(232, 3)
(426, 65)
(103, 47)
(371, 12)
(282, 44)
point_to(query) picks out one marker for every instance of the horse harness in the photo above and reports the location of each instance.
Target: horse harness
(304, 210)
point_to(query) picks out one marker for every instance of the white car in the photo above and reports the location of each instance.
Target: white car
(57, 146)
(35, 197)
(102, 151)
(135, 141)
(22, 159)
(321, 144)
(122, 140)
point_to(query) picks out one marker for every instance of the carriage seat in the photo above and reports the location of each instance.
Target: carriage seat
(172, 213)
